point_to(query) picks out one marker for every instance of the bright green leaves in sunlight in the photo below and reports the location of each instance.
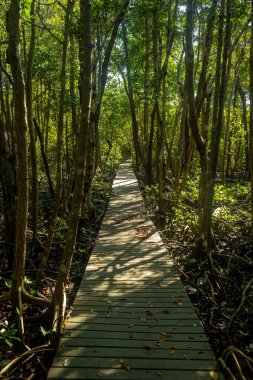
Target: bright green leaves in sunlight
(26, 8)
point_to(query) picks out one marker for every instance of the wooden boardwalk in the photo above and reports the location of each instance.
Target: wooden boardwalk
(132, 318)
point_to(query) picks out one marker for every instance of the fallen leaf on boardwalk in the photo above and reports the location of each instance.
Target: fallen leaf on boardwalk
(109, 312)
(149, 312)
(191, 337)
(163, 337)
(129, 326)
(164, 333)
(124, 364)
(148, 348)
(172, 352)
(186, 357)
(158, 374)
(214, 375)
(130, 336)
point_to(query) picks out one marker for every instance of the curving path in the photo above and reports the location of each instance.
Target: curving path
(132, 318)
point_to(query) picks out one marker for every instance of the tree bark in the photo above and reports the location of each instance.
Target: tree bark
(58, 301)
(59, 154)
(251, 117)
(13, 18)
(30, 124)
(130, 93)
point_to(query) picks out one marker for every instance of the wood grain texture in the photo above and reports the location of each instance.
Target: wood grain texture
(132, 318)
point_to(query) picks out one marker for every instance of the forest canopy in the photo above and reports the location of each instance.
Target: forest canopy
(85, 84)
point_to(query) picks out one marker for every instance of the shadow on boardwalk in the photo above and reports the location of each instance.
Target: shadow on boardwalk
(132, 318)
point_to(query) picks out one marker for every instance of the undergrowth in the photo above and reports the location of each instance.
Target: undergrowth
(224, 299)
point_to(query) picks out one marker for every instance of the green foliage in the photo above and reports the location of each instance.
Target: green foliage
(150, 193)
(114, 123)
(8, 333)
(26, 6)
(45, 332)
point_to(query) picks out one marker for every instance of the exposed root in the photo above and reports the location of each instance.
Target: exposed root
(243, 299)
(236, 354)
(31, 352)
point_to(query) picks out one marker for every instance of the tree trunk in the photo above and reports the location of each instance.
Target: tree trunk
(58, 301)
(8, 181)
(130, 93)
(217, 123)
(251, 117)
(59, 154)
(20, 131)
(242, 94)
(31, 126)
(44, 158)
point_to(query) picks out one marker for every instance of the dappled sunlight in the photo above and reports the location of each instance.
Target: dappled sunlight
(132, 318)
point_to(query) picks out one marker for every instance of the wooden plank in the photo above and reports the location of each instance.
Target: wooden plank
(134, 314)
(130, 304)
(148, 298)
(122, 374)
(137, 293)
(131, 284)
(163, 304)
(157, 337)
(78, 315)
(156, 353)
(192, 329)
(136, 363)
(143, 322)
(91, 342)
(130, 309)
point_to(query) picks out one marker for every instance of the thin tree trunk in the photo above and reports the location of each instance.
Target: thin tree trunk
(20, 131)
(31, 126)
(58, 301)
(59, 155)
(44, 158)
(217, 126)
(242, 94)
(251, 117)
(130, 93)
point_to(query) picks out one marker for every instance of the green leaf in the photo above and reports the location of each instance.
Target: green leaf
(44, 332)
(7, 341)
(4, 362)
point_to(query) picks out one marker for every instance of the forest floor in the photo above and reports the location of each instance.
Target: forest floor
(223, 299)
